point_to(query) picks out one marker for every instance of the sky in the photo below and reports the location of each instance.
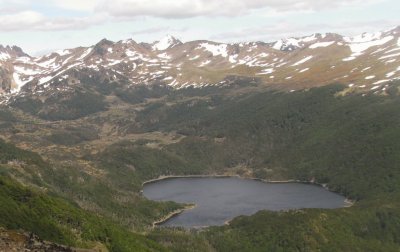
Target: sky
(43, 26)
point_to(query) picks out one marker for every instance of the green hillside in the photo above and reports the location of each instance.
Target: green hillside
(349, 142)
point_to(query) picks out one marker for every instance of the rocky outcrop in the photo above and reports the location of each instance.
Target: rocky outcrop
(22, 241)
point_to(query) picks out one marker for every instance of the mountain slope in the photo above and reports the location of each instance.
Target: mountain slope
(366, 61)
(54, 218)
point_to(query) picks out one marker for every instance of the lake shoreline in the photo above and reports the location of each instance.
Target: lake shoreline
(172, 214)
(347, 202)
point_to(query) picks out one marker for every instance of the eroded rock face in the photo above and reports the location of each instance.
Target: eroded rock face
(22, 241)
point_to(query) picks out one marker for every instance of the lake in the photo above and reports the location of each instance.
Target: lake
(220, 199)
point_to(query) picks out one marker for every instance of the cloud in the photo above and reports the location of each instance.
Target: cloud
(20, 20)
(182, 8)
(80, 14)
(194, 8)
(75, 23)
(268, 32)
(77, 5)
(160, 30)
(11, 6)
(284, 29)
(31, 20)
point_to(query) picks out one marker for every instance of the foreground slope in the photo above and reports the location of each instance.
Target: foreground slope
(54, 218)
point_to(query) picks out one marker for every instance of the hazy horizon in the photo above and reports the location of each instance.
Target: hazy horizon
(39, 27)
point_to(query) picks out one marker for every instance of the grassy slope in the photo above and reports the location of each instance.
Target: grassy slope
(362, 228)
(349, 142)
(54, 218)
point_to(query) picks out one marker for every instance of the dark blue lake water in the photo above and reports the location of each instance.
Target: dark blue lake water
(221, 199)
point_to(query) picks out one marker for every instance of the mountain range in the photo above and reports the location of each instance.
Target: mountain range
(364, 62)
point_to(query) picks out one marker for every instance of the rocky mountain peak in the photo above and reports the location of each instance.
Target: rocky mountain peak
(165, 43)
(8, 52)
(102, 47)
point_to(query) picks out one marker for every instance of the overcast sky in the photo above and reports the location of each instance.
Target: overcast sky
(41, 26)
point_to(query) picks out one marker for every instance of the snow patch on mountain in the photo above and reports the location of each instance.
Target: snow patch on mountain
(304, 70)
(26, 71)
(287, 44)
(266, 71)
(302, 61)
(85, 53)
(45, 79)
(19, 82)
(63, 52)
(233, 59)
(204, 63)
(4, 56)
(349, 58)
(164, 56)
(360, 44)
(194, 57)
(364, 37)
(365, 69)
(321, 44)
(392, 50)
(24, 60)
(379, 82)
(50, 63)
(278, 45)
(390, 74)
(390, 56)
(114, 62)
(291, 44)
(309, 38)
(165, 43)
(219, 49)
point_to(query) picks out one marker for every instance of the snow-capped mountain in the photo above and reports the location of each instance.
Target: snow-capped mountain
(364, 62)
(10, 52)
(166, 43)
